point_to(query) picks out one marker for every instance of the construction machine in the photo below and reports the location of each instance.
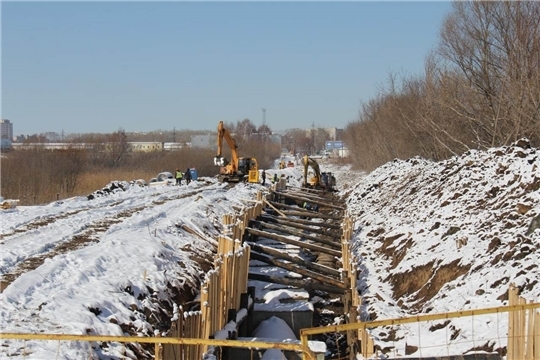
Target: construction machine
(238, 168)
(318, 180)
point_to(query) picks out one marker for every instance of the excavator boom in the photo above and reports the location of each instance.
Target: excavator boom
(237, 169)
(324, 180)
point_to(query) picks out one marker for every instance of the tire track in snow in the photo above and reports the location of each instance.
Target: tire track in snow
(90, 235)
(47, 220)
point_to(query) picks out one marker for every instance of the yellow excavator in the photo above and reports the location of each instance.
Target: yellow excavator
(318, 180)
(238, 168)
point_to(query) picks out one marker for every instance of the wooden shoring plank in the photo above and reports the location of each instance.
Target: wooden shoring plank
(529, 351)
(241, 277)
(296, 269)
(286, 206)
(347, 305)
(221, 298)
(231, 282)
(205, 318)
(211, 312)
(220, 245)
(273, 207)
(332, 243)
(191, 350)
(229, 291)
(300, 244)
(305, 189)
(345, 255)
(217, 302)
(247, 253)
(199, 349)
(369, 346)
(321, 225)
(328, 199)
(311, 214)
(314, 227)
(295, 259)
(320, 202)
(222, 295)
(512, 300)
(310, 192)
(230, 241)
(181, 330)
(305, 284)
(521, 331)
(235, 281)
(536, 333)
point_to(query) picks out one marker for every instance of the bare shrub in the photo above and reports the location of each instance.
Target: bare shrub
(37, 175)
(492, 52)
(481, 88)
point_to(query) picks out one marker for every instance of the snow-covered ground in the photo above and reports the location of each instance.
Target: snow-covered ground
(117, 263)
(410, 218)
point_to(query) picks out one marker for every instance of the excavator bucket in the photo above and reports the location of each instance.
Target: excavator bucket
(220, 161)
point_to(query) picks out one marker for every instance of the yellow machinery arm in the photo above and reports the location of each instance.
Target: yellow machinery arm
(316, 180)
(219, 160)
(238, 167)
(325, 180)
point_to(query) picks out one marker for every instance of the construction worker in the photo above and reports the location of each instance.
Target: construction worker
(178, 177)
(188, 176)
(263, 175)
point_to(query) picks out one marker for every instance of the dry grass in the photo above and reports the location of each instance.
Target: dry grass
(40, 176)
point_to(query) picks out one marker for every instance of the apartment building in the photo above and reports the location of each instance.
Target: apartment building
(6, 127)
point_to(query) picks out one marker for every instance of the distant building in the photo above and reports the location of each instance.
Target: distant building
(333, 132)
(172, 146)
(141, 146)
(53, 146)
(6, 127)
(5, 144)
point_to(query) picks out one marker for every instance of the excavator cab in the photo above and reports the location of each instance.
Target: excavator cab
(249, 167)
(316, 179)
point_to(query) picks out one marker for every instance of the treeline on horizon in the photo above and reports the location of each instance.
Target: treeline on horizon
(37, 176)
(480, 89)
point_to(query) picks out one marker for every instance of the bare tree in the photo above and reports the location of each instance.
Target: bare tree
(494, 48)
(244, 129)
(117, 147)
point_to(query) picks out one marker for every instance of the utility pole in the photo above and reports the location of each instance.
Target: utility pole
(313, 138)
(263, 132)
(174, 134)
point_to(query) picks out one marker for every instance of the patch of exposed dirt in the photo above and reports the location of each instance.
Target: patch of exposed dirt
(42, 222)
(443, 274)
(426, 280)
(89, 236)
(78, 241)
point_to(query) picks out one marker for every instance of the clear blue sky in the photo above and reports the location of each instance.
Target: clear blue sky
(98, 66)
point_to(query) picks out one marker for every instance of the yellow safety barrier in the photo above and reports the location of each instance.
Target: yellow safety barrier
(304, 333)
(308, 354)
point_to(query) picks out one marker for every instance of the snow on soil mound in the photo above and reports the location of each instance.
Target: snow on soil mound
(438, 237)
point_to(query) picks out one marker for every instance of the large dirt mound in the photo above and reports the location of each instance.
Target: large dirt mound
(438, 237)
